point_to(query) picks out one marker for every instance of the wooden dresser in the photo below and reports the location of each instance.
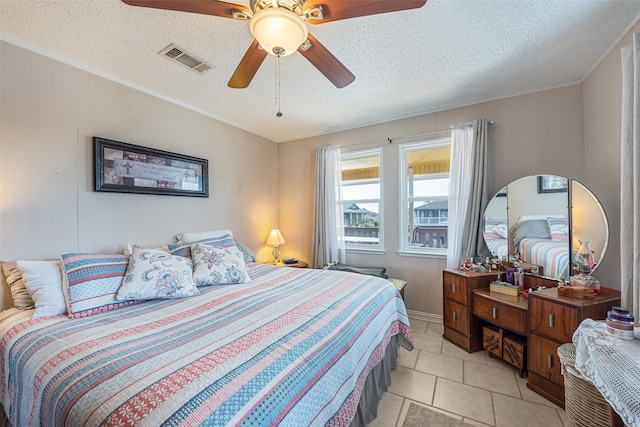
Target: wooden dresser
(460, 326)
(552, 322)
(544, 321)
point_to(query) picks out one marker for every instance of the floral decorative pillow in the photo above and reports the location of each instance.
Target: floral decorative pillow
(218, 266)
(559, 228)
(154, 274)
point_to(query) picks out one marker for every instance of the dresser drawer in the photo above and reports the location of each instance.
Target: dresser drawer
(455, 288)
(456, 316)
(500, 314)
(544, 360)
(555, 321)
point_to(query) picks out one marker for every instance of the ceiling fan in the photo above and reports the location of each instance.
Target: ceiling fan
(280, 28)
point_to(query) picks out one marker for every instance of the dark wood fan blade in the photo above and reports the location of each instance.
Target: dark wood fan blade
(334, 10)
(248, 67)
(205, 7)
(327, 64)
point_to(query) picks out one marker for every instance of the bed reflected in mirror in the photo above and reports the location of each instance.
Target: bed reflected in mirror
(539, 219)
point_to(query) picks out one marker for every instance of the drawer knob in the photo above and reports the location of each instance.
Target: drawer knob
(495, 313)
(549, 361)
(455, 316)
(453, 288)
(551, 320)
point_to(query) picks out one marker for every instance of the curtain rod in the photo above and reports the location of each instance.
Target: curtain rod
(391, 140)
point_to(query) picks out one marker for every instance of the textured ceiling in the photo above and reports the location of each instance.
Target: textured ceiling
(448, 53)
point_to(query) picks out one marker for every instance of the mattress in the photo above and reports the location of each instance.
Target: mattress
(293, 347)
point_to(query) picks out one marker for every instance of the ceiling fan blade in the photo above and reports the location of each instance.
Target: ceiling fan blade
(333, 10)
(327, 64)
(205, 7)
(248, 67)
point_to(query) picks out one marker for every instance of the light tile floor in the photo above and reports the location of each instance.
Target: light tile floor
(469, 386)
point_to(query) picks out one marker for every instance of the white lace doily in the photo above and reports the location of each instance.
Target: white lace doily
(612, 365)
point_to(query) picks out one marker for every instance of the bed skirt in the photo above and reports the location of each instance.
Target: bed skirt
(376, 384)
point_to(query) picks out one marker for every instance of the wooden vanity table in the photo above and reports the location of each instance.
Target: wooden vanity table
(541, 323)
(538, 219)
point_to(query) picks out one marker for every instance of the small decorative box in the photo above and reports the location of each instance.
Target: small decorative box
(504, 288)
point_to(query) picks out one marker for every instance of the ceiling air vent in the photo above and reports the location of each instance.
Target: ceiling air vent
(178, 54)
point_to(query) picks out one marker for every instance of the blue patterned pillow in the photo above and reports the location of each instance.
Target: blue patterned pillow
(91, 281)
(184, 248)
(218, 266)
(247, 253)
(155, 274)
(559, 228)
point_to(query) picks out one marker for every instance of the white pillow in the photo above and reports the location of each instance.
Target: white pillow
(218, 266)
(194, 236)
(43, 280)
(154, 274)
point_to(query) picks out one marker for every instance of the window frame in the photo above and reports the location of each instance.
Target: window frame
(359, 154)
(404, 199)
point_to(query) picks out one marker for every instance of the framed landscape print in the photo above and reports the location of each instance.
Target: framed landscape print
(552, 184)
(128, 168)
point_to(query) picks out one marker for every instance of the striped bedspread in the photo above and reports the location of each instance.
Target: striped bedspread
(498, 247)
(552, 255)
(291, 348)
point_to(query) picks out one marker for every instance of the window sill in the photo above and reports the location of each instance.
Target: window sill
(423, 254)
(366, 251)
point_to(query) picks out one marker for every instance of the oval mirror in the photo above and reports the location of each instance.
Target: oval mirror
(533, 221)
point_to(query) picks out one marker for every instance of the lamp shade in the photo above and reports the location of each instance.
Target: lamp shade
(279, 31)
(275, 238)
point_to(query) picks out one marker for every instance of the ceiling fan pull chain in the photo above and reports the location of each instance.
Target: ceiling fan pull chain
(279, 113)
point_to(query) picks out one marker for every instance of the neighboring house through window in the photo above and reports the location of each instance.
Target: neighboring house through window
(362, 199)
(424, 190)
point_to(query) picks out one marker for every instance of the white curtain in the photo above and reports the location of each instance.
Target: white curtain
(328, 226)
(630, 178)
(468, 191)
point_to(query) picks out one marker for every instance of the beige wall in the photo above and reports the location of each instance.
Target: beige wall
(602, 92)
(50, 112)
(539, 133)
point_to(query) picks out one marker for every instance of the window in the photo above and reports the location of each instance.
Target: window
(362, 199)
(424, 190)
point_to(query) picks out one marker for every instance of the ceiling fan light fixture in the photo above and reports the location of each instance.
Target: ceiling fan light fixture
(279, 31)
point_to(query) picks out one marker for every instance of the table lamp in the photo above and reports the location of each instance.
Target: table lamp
(275, 239)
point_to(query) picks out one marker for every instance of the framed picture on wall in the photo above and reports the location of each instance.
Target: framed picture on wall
(552, 184)
(128, 168)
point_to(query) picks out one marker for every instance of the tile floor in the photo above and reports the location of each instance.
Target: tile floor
(472, 387)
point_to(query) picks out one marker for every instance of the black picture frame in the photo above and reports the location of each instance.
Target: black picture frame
(552, 184)
(127, 168)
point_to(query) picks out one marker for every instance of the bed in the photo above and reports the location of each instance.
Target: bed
(536, 240)
(292, 347)
(551, 255)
